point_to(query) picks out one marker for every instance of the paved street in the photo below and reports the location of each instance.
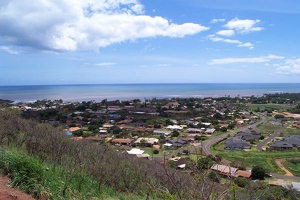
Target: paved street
(207, 144)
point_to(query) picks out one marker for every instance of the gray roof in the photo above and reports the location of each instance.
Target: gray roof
(293, 140)
(236, 143)
(281, 144)
(287, 142)
(248, 136)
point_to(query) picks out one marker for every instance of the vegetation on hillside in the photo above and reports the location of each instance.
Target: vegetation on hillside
(79, 159)
(53, 166)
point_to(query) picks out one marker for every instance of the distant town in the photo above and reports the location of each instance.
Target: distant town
(177, 130)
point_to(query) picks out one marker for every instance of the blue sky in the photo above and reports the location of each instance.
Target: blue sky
(149, 41)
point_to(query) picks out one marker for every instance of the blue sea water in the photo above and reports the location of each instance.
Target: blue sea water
(132, 91)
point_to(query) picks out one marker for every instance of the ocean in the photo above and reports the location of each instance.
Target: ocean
(98, 92)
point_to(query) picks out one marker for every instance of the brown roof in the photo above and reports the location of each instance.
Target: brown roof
(243, 173)
(94, 138)
(71, 129)
(121, 140)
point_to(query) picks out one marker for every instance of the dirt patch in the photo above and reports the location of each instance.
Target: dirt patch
(7, 193)
(279, 163)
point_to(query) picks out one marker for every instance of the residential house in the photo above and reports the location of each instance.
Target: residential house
(224, 170)
(174, 127)
(236, 143)
(177, 142)
(121, 141)
(162, 132)
(287, 142)
(210, 131)
(194, 130)
(149, 141)
(280, 145)
(247, 136)
(171, 105)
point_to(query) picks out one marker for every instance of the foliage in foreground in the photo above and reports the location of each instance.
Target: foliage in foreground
(45, 182)
(107, 167)
(55, 167)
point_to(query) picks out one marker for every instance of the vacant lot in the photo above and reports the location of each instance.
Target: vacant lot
(293, 165)
(291, 131)
(252, 158)
(279, 107)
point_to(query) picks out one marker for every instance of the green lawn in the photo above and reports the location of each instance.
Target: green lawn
(280, 107)
(267, 128)
(293, 167)
(291, 131)
(252, 158)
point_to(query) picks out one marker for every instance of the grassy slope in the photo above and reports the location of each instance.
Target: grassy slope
(42, 180)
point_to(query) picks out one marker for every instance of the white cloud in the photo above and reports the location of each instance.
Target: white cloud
(63, 25)
(226, 33)
(162, 65)
(291, 66)
(9, 49)
(243, 25)
(217, 20)
(262, 59)
(215, 38)
(105, 64)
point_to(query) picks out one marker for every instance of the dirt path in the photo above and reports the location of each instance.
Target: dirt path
(7, 193)
(279, 163)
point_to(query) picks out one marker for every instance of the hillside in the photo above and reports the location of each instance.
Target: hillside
(45, 163)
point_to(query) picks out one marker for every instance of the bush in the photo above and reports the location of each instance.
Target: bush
(186, 152)
(262, 137)
(258, 172)
(241, 181)
(214, 176)
(156, 151)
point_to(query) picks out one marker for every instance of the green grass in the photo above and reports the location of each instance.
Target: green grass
(267, 128)
(149, 151)
(268, 107)
(220, 146)
(293, 167)
(45, 181)
(291, 131)
(252, 158)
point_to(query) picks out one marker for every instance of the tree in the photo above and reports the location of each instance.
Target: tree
(155, 151)
(77, 133)
(116, 130)
(205, 162)
(278, 116)
(175, 134)
(258, 172)
(212, 175)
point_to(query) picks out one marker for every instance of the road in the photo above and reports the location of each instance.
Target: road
(207, 144)
(275, 134)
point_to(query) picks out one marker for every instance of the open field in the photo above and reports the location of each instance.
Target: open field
(267, 128)
(291, 131)
(252, 158)
(293, 167)
(280, 107)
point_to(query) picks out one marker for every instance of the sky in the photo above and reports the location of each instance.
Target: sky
(149, 41)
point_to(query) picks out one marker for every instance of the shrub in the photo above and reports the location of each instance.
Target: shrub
(258, 172)
(214, 176)
(156, 151)
(241, 181)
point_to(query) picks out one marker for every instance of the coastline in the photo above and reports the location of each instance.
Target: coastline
(98, 92)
